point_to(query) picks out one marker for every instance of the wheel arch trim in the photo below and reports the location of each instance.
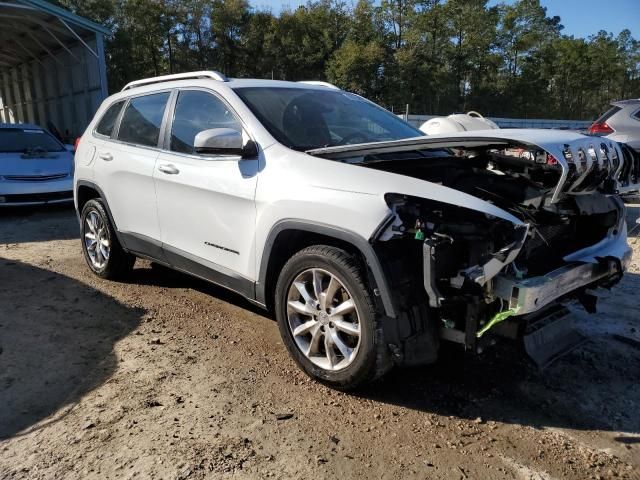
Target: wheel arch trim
(93, 186)
(360, 243)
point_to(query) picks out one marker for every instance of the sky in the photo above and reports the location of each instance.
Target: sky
(580, 18)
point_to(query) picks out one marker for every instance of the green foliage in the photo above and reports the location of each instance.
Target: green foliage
(438, 56)
(356, 64)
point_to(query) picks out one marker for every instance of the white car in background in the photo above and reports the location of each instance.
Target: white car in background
(35, 168)
(371, 242)
(620, 123)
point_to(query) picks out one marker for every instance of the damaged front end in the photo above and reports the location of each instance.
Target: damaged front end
(485, 276)
(509, 233)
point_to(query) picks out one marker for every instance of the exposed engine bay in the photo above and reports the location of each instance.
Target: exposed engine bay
(476, 270)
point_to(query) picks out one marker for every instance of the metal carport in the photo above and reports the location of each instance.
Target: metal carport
(52, 66)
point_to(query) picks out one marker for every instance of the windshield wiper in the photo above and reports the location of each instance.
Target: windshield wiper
(35, 152)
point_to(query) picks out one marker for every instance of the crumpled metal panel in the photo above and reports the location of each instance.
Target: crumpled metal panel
(584, 156)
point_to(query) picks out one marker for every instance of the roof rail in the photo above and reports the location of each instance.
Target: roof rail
(177, 76)
(319, 84)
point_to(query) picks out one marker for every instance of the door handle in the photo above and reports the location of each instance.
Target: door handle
(107, 157)
(169, 169)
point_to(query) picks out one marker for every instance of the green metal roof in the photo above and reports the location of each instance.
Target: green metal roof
(66, 15)
(31, 30)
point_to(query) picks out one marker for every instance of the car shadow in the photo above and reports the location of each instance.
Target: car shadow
(57, 339)
(596, 386)
(38, 224)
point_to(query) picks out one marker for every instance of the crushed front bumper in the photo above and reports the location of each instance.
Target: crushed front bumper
(601, 264)
(531, 294)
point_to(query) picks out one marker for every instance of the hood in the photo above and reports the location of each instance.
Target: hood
(585, 161)
(54, 163)
(539, 137)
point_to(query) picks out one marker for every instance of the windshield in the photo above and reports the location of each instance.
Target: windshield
(304, 119)
(24, 140)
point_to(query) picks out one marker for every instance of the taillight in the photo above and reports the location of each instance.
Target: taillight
(75, 145)
(600, 128)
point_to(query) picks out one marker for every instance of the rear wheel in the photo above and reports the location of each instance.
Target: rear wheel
(102, 250)
(327, 318)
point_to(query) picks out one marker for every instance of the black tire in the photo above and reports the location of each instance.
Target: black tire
(371, 360)
(119, 263)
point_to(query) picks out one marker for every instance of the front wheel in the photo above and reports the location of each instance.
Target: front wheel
(327, 318)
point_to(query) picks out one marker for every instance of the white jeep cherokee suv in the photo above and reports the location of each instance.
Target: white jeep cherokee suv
(371, 242)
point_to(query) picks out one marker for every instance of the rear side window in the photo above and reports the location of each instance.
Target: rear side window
(197, 111)
(637, 115)
(142, 118)
(108, 120)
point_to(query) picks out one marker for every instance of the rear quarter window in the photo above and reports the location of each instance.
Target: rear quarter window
(142, 118)
(108, 120)
(608, 114)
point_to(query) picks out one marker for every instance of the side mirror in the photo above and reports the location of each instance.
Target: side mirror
(224, 141)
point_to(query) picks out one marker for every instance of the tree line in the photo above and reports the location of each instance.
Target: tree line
(437, 56)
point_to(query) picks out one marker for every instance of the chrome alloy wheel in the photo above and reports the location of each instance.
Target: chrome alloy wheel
(96, 239)
(323, 319)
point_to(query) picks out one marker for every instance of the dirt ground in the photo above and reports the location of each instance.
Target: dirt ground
(169, 377)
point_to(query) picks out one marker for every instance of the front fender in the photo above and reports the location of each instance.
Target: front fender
(353, 238)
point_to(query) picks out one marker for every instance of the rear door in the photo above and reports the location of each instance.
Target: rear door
(124, 170)
(206, 202)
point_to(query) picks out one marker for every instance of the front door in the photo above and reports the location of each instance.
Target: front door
(206, 202)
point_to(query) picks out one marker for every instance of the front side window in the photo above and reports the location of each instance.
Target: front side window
(108, 120)
(304, 119)
(142, 119)
(197, 111)
(26, 140)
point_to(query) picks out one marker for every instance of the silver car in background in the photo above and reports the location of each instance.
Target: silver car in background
(35, 168)
(620, 123)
